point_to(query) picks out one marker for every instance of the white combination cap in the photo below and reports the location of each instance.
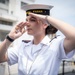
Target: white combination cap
(38, 9)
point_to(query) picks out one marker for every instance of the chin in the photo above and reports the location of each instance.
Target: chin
(29, 33)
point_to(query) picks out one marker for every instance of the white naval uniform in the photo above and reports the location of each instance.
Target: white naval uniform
(41, 59)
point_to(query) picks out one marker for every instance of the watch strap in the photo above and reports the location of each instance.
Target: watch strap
(10, 39)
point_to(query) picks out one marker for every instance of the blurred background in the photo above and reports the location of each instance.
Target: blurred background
(11, 13)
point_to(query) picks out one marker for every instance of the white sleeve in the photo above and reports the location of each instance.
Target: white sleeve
(13, 54)
(62, 53)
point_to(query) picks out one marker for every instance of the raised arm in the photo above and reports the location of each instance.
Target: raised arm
(15, 33)
(66, 29)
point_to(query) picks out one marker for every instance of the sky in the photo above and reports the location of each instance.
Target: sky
(63, 9)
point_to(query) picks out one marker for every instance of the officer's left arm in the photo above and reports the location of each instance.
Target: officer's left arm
(68, 30)
(69, 44)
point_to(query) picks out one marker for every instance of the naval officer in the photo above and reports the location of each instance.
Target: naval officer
(41, 55)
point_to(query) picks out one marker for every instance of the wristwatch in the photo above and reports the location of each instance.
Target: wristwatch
(10, 39)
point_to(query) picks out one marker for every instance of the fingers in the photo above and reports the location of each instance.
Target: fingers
(32, 14)
(40, 18)
(37, 15)
(18, 30)
(20, 27)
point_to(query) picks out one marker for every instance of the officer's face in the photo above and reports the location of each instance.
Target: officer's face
(34, 26)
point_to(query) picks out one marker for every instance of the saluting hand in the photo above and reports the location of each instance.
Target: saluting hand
(17, 31)
(39, 17)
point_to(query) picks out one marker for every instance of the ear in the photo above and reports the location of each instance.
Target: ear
(45, 25)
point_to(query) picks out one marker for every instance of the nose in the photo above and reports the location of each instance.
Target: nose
(27, 23)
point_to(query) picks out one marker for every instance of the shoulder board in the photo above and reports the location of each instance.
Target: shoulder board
(26, 41)
(54, 38)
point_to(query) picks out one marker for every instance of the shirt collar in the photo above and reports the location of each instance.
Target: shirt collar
(45, 41)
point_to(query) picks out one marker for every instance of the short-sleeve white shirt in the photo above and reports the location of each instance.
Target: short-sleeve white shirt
(41, 59)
